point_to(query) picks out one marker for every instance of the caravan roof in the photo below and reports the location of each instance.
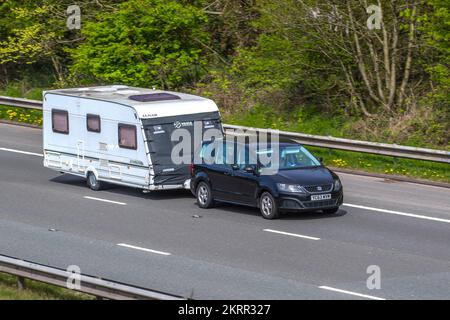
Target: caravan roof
(148, 103)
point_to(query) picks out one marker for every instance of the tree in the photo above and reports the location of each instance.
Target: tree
(332, 48)
(145, 43)
(35, 31)
(437, 30)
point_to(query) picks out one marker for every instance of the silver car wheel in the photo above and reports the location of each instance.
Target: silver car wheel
(202, 195)
(266, 205)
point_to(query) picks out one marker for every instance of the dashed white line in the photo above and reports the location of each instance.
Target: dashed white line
(351, 293)
(291, 234)
(144, 249)
(22, 152)
(412, 215)
(104, 200)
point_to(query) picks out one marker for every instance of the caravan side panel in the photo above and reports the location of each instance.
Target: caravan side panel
(80, 151)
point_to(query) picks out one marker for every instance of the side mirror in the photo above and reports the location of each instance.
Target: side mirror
(320, 159)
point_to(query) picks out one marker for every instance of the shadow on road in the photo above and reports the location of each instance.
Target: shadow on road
(228, 207)
(72, 180)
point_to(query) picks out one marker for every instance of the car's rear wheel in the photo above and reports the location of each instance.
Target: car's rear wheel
(93, 182)
(331, 211)
(268, 206)
(204, 195)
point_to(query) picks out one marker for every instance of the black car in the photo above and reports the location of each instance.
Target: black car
(301, 182)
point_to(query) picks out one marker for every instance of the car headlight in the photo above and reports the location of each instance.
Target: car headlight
(290, 188)
(337, 185)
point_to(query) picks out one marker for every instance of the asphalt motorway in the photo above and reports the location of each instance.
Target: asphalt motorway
(163, 241)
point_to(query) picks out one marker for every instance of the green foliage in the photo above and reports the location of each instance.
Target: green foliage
(437, 27)
(144, 43)
(283, 64)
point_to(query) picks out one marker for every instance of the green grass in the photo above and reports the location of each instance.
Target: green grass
(21, 90)
(383, 164)
(35, 291)
(311, 121)
(29, 116)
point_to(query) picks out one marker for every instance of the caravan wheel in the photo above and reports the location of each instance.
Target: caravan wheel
(92, 182)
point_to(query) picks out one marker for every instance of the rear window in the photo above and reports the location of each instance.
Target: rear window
(93, 123)
(127, 136)
(60, 121)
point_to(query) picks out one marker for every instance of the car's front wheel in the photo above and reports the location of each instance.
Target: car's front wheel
(204, 195)
(268, 206)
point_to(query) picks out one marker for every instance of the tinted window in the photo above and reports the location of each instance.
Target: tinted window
(243, 157)
(294, 157)
(220, 153)
(127, 136)
(60, 121)
(93, 123)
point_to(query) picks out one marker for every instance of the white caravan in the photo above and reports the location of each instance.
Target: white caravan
(120, 134)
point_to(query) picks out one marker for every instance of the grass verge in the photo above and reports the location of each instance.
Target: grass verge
(382, 164)
(29, 116)
(36, 291)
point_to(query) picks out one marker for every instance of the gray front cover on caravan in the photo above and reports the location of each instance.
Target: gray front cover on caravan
(158, 132)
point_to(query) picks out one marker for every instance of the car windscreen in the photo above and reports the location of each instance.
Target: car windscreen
(293, 157)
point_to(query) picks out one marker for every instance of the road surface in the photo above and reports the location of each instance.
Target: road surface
(163, 241)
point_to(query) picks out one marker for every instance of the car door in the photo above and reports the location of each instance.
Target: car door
(220, 173)
(245, 183)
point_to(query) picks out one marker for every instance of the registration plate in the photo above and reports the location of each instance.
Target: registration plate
(320, 197)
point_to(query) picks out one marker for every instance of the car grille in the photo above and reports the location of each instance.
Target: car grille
(320, 204)
(319, 188)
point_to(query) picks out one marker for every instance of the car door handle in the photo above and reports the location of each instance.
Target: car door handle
(227, 173)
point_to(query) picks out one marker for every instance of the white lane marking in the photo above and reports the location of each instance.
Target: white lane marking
(22, 152)
(104, 200)
(351, 293)
(144, 249)
(291, 234)
(412, 215)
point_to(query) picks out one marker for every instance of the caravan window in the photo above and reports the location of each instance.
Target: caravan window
(93, 122)
(127, 136)
(60, 121)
